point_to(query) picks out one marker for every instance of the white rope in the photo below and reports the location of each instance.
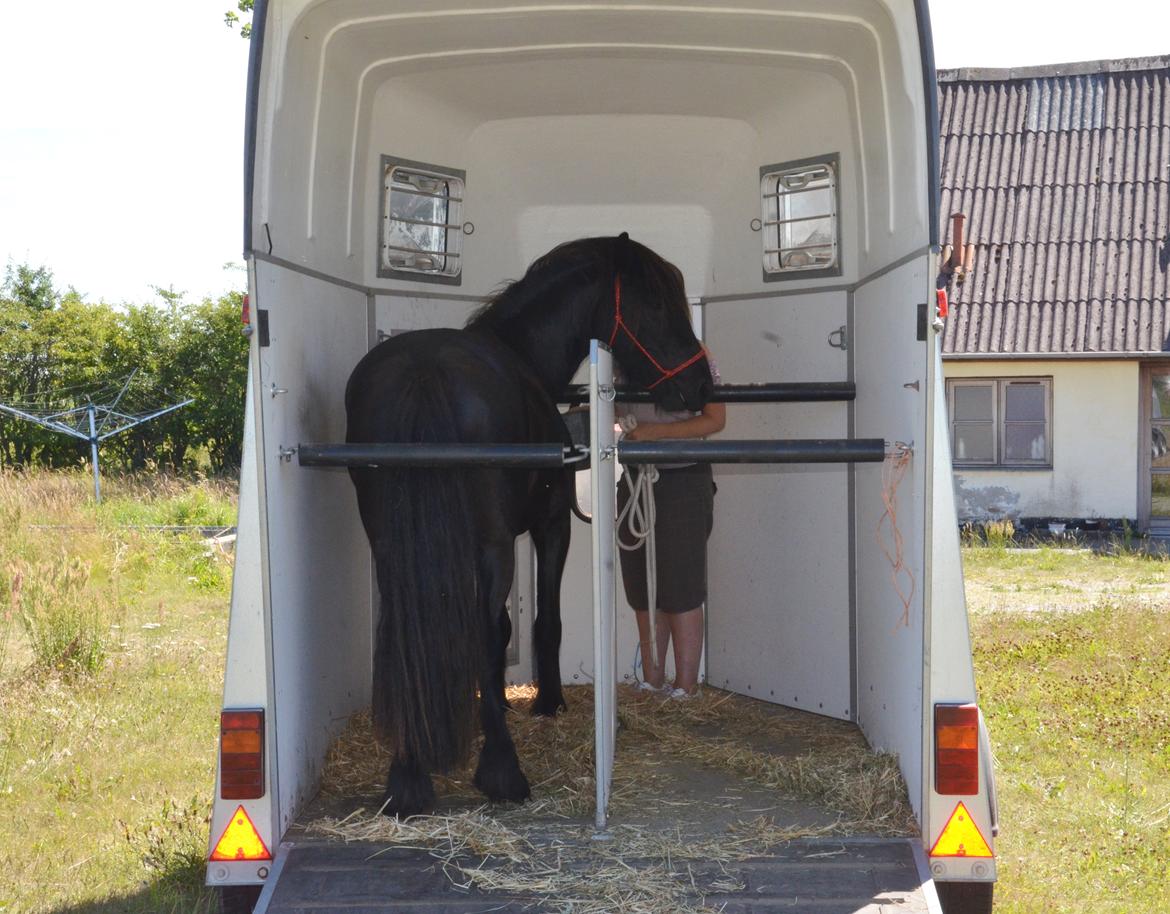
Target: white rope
(639, 516)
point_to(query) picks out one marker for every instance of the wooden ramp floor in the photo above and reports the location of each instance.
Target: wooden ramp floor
(874, 876)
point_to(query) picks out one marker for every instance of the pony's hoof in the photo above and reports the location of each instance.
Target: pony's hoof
(501, 780)
(407, 794)
(547, 705)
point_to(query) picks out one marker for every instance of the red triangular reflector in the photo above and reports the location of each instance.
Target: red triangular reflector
(961, 837)
(240, 840)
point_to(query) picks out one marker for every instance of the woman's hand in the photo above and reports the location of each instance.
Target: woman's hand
(647, 431)
(709, 422)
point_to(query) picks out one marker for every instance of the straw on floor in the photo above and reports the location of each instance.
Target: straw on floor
(546, 849)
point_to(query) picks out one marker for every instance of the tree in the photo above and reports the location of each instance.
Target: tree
(231, 18)
(32, 288)
(57, 349)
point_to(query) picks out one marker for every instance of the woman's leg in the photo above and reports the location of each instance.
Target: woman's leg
(653, 649)
(686, 631)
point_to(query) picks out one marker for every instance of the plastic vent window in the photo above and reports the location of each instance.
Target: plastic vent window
(800, 219)
(421, 221)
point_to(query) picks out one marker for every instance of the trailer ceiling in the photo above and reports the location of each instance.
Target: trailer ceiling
(480, 62)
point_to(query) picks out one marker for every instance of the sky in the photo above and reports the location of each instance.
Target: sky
(121, 128)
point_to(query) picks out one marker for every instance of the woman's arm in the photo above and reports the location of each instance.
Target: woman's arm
(708, 422)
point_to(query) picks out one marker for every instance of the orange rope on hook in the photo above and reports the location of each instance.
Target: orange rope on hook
(893, 469)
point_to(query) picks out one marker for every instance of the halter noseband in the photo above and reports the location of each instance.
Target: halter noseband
(620, 324)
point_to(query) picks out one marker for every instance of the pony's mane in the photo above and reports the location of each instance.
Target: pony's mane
(587, 259)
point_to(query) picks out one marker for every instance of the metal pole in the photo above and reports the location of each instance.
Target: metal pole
(426, 454)
(792, 392)
(602, 473)
(93, 450)
(814, 450)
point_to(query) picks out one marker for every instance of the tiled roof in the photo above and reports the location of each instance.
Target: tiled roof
(1064, 175)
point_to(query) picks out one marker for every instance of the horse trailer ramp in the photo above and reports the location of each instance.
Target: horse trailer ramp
(855, 876)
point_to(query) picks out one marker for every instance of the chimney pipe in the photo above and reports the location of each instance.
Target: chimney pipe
(957, 220)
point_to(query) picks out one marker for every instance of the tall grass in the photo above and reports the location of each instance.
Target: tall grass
(65, 627)
(112, 630)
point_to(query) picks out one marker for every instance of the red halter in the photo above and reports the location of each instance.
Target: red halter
(619, 324)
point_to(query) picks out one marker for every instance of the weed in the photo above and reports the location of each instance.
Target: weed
(63, 626)
(999, 533)
(172, 845)
(994, 534)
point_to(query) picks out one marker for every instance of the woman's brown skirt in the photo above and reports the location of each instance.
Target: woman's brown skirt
(684, 499)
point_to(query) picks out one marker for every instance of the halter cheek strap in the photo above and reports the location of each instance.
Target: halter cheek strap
(620, 324)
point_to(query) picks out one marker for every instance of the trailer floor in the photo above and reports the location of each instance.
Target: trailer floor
(691, 802)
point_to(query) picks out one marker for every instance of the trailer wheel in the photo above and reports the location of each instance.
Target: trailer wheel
(239, 899)
(965, 897)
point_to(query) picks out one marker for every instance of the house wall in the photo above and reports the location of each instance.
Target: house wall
(1095, 432)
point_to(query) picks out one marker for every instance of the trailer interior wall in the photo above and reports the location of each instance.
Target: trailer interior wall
(893, 386)
(779, 604)
(320, 580)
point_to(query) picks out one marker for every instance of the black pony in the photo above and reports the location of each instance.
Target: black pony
(442, 539)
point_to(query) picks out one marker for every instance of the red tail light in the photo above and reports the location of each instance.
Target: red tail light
(241, 755)
(956, 749)
(246, 316)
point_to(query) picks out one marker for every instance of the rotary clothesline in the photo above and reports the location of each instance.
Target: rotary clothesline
(84, 418)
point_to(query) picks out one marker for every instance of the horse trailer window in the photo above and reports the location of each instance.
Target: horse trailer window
(801, 227)
(421, 227)
(1001, 422)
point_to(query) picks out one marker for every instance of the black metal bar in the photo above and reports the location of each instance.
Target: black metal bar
(810, 450)
(795, 392)
(525, 456)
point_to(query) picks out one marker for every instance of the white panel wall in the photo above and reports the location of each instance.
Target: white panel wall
(318, 557)
(778, 609)
(1095, 432)
(888, 357)
(547, 163)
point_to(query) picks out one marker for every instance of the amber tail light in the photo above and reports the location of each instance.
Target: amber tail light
(956, 749)
(241, 755)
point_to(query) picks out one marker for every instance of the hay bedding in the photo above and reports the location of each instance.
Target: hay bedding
(544, 849)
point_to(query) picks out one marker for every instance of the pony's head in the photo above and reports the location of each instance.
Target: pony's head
(645, 317)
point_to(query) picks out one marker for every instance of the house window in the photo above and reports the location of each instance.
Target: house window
(1001, 421)
(421, 228)
(800, 226)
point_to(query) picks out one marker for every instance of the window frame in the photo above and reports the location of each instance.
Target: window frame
(770, 223)
(453, 227)
(999, 422)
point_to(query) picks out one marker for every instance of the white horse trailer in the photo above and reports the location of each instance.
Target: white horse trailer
(404, 157)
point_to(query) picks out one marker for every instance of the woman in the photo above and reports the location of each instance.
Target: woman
(684, 503)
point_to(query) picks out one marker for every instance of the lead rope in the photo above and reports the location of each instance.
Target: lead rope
(639, 516)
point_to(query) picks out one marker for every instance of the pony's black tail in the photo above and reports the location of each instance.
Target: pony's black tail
(430, 635)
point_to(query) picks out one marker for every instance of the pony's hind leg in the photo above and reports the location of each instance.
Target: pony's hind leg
(552, 547)
(498, 774)
(409, 791)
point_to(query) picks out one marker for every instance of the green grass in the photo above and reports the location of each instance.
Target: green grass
(106, 763)
(1072, 656)
(107, 751)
